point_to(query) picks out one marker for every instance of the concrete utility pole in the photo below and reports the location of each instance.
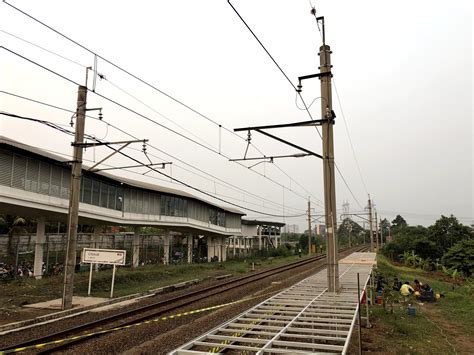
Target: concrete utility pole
(328, 167)
(349, 227)
(309, 227)
(74, 199)
(381, 234)
(377, 232)
(371, 227)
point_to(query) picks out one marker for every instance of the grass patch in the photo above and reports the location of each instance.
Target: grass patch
(127, 281)
(436, 325)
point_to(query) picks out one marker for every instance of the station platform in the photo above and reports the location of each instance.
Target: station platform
(77, 302)
(303, 319)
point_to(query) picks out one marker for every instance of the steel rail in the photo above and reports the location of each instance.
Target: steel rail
(163, 306)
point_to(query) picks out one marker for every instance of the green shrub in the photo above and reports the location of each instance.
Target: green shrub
(461, 257)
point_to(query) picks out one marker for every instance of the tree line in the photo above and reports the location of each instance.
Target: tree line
(447, 244)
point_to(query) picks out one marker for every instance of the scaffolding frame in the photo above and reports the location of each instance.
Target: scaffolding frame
(303, 319)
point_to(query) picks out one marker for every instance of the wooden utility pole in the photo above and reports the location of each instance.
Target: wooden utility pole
(377, 231)
(309, 227)
(328, 166)
(371, 227)
(74, 199)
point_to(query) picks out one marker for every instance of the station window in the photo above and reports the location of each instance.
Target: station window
(95, 192)
(173, 206)
(86, 190)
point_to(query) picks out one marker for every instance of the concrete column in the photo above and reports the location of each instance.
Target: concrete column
(210, 249)
(233, 244)
(224, 250)
(190, 248)
(95, 242)
(39, 247)
(215, 249)
(136, 247)
(166, 248)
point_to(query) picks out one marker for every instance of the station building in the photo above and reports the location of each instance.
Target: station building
(256, 235)
(36, 184)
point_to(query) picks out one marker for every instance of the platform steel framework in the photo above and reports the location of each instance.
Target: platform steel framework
(303, 319)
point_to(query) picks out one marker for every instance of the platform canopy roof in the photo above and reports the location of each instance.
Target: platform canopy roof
(255, 222)
(5, 141)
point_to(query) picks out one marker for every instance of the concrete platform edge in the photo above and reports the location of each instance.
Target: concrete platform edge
(80, 310)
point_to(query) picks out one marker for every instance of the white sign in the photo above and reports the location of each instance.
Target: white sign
(103, 256)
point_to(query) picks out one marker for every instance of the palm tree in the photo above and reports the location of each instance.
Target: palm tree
(13, 225)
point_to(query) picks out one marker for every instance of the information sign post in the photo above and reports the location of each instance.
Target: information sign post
(103, 256)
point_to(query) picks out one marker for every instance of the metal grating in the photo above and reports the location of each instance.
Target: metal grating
(302, 319)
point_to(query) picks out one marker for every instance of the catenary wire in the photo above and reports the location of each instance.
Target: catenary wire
(349, 136)
(275, 62)
(137, 173)
(337, 95)
(157, 112)
(223, 183)
(54, 126)
(291, 83)
(43, 48)
(148, 84)
(147, 118)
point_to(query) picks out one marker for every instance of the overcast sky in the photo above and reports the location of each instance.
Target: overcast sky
(402, 69)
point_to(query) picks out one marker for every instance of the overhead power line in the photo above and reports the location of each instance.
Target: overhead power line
(149, 85)
(350, 140)
(306, 108)
(218, 180)
(148, 119)
(56, 127)
(69, 156)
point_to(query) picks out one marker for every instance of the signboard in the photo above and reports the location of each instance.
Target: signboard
(103, 256)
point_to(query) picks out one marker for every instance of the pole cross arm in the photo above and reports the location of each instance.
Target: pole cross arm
(344, 215)
(96, 144)
(309, 152)
(295, 124)
(125, 144)
(311, 76)
(130, 166)
(284, 125)
(298, 155)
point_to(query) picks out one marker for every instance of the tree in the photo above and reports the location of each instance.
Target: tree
(303, 241)
(399, 222)
(355, 230)
(461, 257)
(410, 239)
(12, 225)
(384, 226)
(447, 231)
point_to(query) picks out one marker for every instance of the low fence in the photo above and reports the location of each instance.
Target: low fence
(17, 252)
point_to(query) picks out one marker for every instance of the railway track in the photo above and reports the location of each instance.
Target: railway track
(131, 316)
